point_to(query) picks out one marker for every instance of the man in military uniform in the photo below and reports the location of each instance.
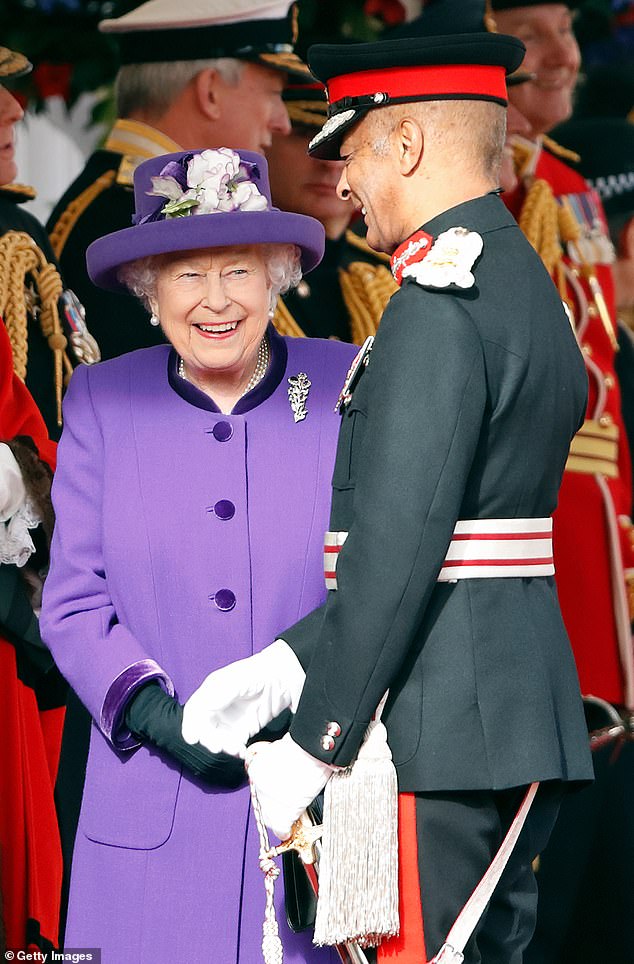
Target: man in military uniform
(594, 555)
(455, 431)
(187, 80)
(346, 294)
(30, 284)
(33, 692)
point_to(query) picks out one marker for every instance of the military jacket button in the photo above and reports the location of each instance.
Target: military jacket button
(333, 729)
(605, 421)
(224, 510)
(224, 600)
(609, 381)
(222, 431)
(327, 743)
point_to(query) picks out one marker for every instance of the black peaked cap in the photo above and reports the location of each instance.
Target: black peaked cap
(331, 61)
(606, 148)
(512, 4)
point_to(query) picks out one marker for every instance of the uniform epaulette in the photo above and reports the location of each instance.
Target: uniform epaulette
(366, 290)
(559, 151)
(358, 242)
(284, 321)
(19, 193)
(69, 217)
(22, 264)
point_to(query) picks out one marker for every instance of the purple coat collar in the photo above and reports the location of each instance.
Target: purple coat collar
(257, 395)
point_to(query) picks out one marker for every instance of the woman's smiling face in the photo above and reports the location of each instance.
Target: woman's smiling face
(213, 305)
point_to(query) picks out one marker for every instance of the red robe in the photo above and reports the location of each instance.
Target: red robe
(30, 852)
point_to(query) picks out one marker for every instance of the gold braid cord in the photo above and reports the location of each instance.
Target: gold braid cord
(284, 321)
(68, 219)
(366, 290)
(560, 151)
(20, 259)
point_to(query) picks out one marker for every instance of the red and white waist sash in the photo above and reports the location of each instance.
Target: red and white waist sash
(479, 549)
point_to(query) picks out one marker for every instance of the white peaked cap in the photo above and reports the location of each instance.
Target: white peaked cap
(169, 14)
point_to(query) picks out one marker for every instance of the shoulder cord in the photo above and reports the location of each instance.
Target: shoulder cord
(20, 256)
(69, 217)
(548, 226)
(366, 290)
(272, 949)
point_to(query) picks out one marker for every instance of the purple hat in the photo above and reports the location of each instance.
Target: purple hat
(201, 199)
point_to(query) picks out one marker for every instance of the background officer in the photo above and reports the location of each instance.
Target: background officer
(346, 294)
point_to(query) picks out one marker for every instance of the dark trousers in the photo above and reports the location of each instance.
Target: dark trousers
(457, 835)
(585, 876)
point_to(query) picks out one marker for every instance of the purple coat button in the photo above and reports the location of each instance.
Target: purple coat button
(222, 431)
(225, 600)
(225, 510)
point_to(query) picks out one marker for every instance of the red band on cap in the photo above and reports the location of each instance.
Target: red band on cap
(446, 80)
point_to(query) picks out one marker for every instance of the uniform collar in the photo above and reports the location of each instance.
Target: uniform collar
(257, 395)
(482, 214)
(136, 142)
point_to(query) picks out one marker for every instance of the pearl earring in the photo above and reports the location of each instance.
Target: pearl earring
(154, 320)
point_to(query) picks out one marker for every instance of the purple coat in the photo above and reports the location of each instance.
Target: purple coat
(185, 539)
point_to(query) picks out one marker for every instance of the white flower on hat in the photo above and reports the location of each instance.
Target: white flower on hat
(449, 261)
(218, 181)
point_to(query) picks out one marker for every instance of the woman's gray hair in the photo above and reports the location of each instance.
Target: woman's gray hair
(282, 262)
(151, 88)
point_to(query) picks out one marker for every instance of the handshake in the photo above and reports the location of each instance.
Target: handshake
(235, 703)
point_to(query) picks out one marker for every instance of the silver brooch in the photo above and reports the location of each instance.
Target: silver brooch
(297, 395)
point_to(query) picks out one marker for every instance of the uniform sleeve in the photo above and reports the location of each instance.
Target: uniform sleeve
(426, 397)
(103, 661)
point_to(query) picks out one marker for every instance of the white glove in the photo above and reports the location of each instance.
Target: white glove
(12, 490)
(235, 702)
(286, 779)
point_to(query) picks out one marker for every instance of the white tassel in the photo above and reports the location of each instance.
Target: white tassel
(358, 867)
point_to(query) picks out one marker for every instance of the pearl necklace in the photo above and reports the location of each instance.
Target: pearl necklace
(259, 371)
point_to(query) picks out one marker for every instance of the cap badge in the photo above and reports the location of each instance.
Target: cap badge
(449, 261)
(212, 182)
(332, 124)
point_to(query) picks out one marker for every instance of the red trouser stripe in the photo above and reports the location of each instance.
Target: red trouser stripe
(409, 946)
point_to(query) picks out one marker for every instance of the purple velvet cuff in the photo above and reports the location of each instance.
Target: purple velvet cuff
(119, 693)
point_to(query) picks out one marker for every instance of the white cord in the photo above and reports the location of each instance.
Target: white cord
(272, 949)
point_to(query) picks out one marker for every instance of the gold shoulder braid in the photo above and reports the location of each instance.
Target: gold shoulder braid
(284, 321)
(549, 226)
(560, 151)
(22, 259)
(366, 290)
(67, 220)
(357, 242)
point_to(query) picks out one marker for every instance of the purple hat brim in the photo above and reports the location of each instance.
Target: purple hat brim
(106, 255)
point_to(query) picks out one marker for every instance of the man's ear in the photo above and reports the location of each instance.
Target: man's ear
(410, 144)
(207, 86)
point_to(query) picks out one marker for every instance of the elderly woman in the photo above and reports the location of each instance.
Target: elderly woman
(191, 499)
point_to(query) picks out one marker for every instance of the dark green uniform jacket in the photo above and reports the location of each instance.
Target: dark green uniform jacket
(465, 411)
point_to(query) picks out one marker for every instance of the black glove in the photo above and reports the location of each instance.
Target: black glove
(153, 715)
